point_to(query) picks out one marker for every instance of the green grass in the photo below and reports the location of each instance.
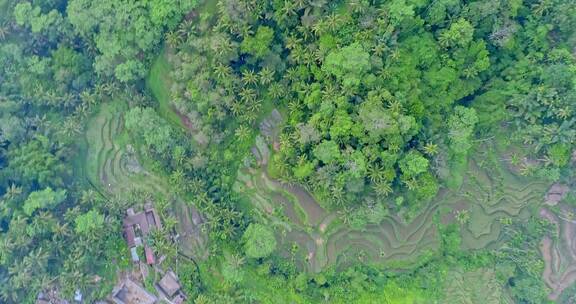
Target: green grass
(159, 82)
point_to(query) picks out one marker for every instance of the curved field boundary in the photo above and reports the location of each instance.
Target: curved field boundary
(489, 194)
(106, 166)
(559, 252)
(322, 239)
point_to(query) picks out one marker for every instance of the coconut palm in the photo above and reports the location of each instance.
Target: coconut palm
(430, 149)
(247, 95)
(379, 49)
(8, 292)
(333, 22)
(382, 189)
(293, 42)
(411, 184)
(358, 6)
(4, 31)
(288, 10)
(173, 39)
(266, 76)
(249, 77)
(222, 71)
(242, 133)
(12, 192)
(462, 216)
(275, 90)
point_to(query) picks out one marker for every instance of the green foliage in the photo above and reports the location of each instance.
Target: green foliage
(327, 151)
(259, 241)
(123, 30)
(259, 44)
(89, 222)
(231, 268)
(459, 34)
(348, 64)
(26, 15)
(35, 162)
(157, 134)
(461, 127)
(559, 154)
(413, 164)
(43, 199)
(380, 100)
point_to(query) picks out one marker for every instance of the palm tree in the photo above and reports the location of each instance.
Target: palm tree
(358, 6)
(254, 106)
(297, 54)
(411, 184)
(187, 27)
(379, 49)
(20, 274)
(61, 231)
(249, 77)
(266, 76)
(236, 108)
(299, 4)
(203, 299)
(337, 195)
(12, 192)
(222, 71)
(221, 45)
(71, 127)
(462, 216)
(249, 116)
(242, 133)
(430, 149)
(346, 215)
(330, 91)
(88, 197)
(395, 106)
(382, 189)
(37, 259)
(333, 22)
(563, 113)
(177, 179)
(542, 7)
(173, 39)
(275, 90)
(4, 31)
(294, 106)
(247, 95)
(292, 74)
(293, 42)
(8, 292)
(288, 10)
(7, 246)
(376, 173)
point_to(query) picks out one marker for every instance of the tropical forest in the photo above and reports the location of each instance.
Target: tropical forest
(288, 151)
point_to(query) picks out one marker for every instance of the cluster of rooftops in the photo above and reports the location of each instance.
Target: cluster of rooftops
(137, 227)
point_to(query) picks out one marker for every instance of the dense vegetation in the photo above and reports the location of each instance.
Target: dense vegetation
(349, 151)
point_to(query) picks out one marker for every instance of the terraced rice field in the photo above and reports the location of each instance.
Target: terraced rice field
(316, 238)
(559, 251)
(478, 286)
(491, 194)
(112, 165)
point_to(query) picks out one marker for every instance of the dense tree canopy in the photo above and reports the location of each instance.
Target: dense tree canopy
(291, 132)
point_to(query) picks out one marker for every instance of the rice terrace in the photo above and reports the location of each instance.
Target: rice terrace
(288, 151)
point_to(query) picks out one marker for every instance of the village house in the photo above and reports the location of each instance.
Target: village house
(128, 292)
(136, 227)
(170, 287)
